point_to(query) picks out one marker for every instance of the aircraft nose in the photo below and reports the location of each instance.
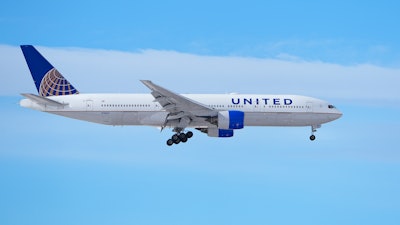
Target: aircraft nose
(337, 114)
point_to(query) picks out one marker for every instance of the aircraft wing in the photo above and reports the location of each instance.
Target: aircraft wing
(178, 105)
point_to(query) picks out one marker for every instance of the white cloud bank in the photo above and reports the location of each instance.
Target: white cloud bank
(114, 71)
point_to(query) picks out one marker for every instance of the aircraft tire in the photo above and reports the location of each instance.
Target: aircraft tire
(175, 137)
(312, 137)
(170, 142)
(182, 136)
(189, 134)
(184, 140)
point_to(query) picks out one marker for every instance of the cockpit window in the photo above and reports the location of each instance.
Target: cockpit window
(331, 106)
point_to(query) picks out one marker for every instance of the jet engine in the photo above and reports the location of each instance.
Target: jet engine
(228, 120)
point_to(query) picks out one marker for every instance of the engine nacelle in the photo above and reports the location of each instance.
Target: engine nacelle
(215, 132)
(228, 120)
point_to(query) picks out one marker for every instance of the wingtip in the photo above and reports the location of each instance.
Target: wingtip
(148, 83)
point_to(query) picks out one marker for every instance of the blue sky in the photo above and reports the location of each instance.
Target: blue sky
(58, 170)
(339, 31)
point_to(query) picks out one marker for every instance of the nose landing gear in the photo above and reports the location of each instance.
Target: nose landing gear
(313, 130)
(179, 137)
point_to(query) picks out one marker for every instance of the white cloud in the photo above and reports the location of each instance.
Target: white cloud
(114, 71)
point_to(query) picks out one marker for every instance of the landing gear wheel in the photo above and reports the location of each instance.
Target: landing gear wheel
(175, 137)
(170, 142)
(184, 140)
(182, 136)
(312, 137)
(179, 137)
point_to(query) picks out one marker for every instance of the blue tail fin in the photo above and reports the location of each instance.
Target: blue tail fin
(47, 79)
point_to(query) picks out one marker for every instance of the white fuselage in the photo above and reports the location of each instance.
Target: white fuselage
(141, 109)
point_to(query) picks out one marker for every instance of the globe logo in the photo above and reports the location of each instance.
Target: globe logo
(53, 83)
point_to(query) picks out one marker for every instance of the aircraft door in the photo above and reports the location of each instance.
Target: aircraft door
(89, 105)
(309, 106)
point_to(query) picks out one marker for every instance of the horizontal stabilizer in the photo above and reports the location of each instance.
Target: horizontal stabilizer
(43, 100)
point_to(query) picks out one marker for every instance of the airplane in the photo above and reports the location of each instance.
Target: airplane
(217, 115)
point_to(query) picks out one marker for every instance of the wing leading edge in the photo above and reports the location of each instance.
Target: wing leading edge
(179, 107)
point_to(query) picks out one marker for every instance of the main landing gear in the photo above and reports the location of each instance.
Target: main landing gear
(313, 130)
(179, 137)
